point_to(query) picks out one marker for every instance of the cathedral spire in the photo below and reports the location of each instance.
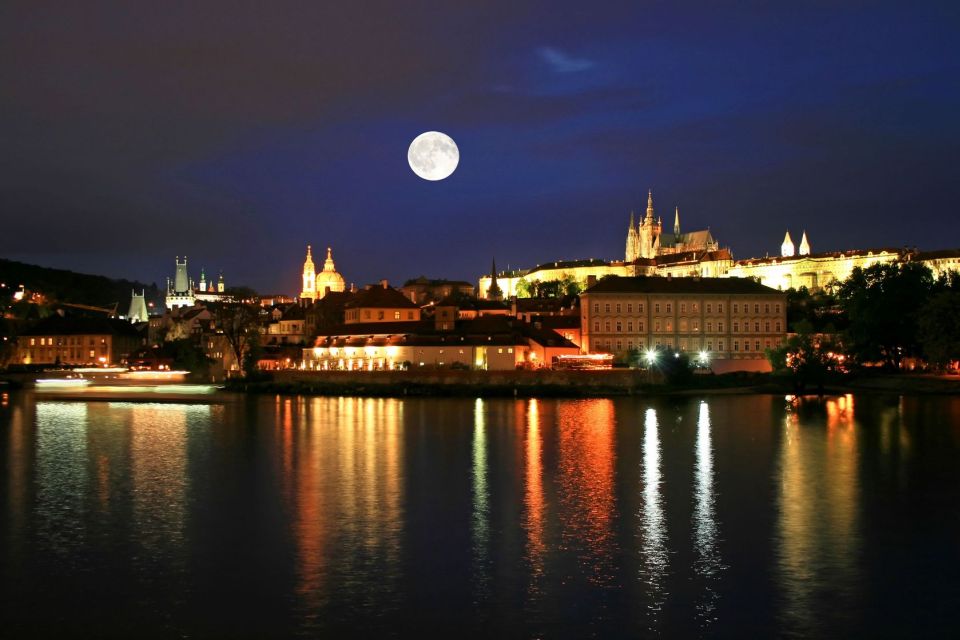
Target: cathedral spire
(676, 223)
(494, 292)
(309, 277)
(804, 245)
(650, 204)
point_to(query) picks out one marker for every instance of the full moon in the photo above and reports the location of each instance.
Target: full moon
(433, 155)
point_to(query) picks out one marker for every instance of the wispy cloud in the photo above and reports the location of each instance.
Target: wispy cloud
(561, 62)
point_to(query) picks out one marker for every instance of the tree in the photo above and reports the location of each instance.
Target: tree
(938, 328)
(808, 358)
(882, 304)
(525, 289)
(240, 327)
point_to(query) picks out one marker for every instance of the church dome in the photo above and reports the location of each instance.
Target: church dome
(329, 278)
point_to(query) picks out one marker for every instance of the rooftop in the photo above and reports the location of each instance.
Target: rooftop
(657, 284)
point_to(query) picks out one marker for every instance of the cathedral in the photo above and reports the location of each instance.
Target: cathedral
(317, 285)
(647, 240)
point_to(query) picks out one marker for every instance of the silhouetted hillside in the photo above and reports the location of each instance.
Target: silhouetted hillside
(68, 286)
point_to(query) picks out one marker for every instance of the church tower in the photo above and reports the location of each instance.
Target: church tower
(494, 292)
(632, 240)
(804, 245)
(203, 280)
(649, 234)
(786, 249)
(309, 278)
(676, 228)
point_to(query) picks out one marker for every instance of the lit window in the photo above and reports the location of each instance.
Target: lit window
(500, 350)
(396, 315)
(509, 349)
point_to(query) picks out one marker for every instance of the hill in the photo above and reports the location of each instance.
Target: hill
(61, 285)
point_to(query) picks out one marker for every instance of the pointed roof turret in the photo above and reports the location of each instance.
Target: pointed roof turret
(786, 249)
(676, 223)
(632, 223)
(804, 245)
(650, 204)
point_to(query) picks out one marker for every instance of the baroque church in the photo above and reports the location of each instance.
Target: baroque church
(317, 285)
(647, 239)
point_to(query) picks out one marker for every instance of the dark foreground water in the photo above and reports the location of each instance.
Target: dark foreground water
(276, 517)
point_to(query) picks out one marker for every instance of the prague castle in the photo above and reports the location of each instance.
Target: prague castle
(652, 252)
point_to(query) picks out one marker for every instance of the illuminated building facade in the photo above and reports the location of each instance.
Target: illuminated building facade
(490, 342)
(380, 303)
(78, 341)
(182, 291)
(317, 285)
(733, 320)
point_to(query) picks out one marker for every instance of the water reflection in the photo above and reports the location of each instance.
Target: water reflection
(653, 548)
(533, 501)
(158, 456)
(818, 528)
(342, 471)
(62, 476)
(707, 564)
(480, 527)
(586, 486)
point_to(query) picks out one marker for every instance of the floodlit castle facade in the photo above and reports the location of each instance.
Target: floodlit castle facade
(652, 252)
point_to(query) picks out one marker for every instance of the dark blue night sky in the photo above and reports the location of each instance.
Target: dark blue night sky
(238, 132)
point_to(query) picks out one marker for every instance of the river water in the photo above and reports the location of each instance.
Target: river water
(724, 516)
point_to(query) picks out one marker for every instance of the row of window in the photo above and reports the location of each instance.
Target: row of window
(70, 340)
(617, 345)
(694, 307)
(73, 353)
(683, 326)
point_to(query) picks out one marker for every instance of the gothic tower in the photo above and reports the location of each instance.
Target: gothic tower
(804, 245)
(632, 241)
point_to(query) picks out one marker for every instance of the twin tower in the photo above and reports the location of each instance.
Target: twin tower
(316, 285)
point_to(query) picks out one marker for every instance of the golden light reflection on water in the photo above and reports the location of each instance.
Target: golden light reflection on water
(480, 516)
(819, 536)
(158, 453)
(341, 461)
(706, 534)
(534, 504)
(653, 551)
(586, 485)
